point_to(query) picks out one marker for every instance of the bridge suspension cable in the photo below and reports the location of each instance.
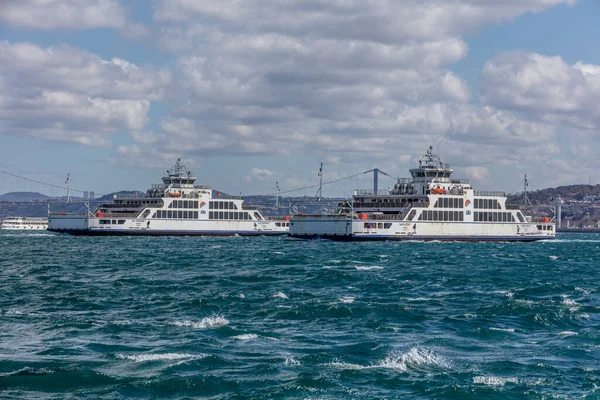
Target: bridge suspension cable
(328, 182)
(47, 184)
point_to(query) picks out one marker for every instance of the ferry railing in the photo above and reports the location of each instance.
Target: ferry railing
(383, 217)
(367, 192)
(226, 197)
(116, 215)
(389, 205)
(161, 186)
(545, 220)
(490, 193)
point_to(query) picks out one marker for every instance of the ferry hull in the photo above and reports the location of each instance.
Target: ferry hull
(90, 226)
(94, 232)
(417, 238)
(344, 228)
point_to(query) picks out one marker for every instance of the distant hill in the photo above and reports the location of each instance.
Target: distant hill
(23, 196)
(566, 193)
(581, 204)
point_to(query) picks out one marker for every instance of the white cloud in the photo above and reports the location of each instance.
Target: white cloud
(66, 94)
(329, 77)
(257, 174)
(69, 14)
(385, 21)
(544, 88)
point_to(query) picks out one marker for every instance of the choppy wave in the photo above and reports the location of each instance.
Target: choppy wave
(189, 317)
(414, 358)
(347, 299)
(246, 336)
(215, 321)
(144, 357)
(368, 268)
(28, 371)
(494, 380)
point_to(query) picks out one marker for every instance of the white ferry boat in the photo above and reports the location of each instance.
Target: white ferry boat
(430, 206)
(176, 207)
(24, 223)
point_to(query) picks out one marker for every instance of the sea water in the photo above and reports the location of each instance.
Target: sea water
(275, 318)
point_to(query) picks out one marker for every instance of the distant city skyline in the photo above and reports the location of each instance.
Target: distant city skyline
(251, 93)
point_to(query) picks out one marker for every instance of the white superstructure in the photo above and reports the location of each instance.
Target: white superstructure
(176, 207)
(429, 206)
(24, 223)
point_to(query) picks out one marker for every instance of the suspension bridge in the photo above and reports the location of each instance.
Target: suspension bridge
(22, 189)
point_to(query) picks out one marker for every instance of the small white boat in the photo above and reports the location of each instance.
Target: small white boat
(24, 223)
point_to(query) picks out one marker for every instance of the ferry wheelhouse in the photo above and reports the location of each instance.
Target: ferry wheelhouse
(429, 206)
(176, 207)
(24, 223)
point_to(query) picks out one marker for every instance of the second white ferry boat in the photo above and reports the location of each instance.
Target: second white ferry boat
(24, 223)
(176, 207)
(431, 206)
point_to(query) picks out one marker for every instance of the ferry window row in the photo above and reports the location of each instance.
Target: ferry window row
(383, 203)
(184, 204)
(282, 224)
(487, 204)
(378, 225)
(222, 205)
(162, 214)
(544, 227)
(429, 215)
(236, 215)
(431, 174)
(112, 222)
(449, 202)
(480, 216)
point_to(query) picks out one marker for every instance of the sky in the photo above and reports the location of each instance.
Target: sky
(253, 92)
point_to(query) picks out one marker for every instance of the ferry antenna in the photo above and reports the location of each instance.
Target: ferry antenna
(526, 200)
(319, 195)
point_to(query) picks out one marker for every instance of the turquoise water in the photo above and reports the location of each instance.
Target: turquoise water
(274, 318)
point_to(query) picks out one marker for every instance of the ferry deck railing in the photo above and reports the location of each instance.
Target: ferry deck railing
(489, 193)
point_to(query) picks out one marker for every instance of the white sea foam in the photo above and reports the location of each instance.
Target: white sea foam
(246, 336)
(373, 267)
(242, 296)
(494, 380)
(159, 357)
(415, 357)
(28, 371)
(511, 330)
(278, 252)
(347, 299)
(211, 322)
(567, 301)
(568, 333)
(280, 295)
(585, 291)
(291, 361)
(553, 258)
(122, 322)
